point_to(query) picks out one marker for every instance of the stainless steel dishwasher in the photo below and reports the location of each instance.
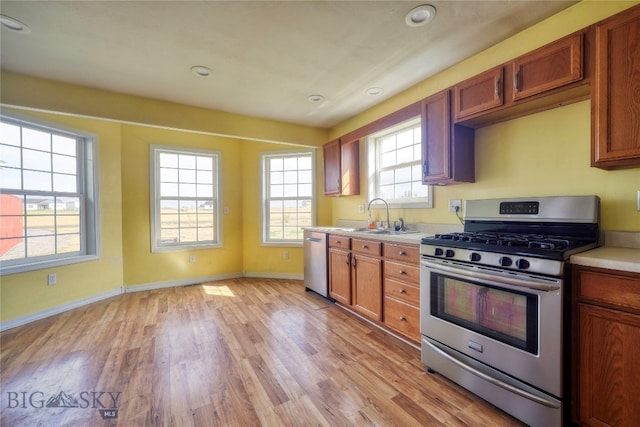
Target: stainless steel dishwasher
(315, 262)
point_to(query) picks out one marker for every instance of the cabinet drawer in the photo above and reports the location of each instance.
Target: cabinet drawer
(402, 317)
(403, 253)
(368, 247)
(402, 291)
(339, 242)
(404, 272)
(610, 288)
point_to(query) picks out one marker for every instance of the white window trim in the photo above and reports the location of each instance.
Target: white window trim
(154, 151)
(372, 182)
(90, 242)
(264, 199)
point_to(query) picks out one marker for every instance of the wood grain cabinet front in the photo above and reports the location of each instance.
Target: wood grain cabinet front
(341, 168)
(606, 381)
(402, 290)
(615, 121)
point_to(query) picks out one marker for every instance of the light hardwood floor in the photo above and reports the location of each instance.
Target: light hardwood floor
(241, 352)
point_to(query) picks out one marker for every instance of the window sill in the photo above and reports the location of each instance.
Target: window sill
(23, 268)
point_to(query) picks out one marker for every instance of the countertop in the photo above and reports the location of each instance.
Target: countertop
(413, 237)
(621, 251)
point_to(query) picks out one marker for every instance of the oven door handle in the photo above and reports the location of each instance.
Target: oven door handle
(492, 380)
(491, 278)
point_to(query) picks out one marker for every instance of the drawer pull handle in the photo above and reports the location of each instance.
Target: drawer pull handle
(402, 253)
(402, 318)
(402, 291)
(402, 272)
(365, 247)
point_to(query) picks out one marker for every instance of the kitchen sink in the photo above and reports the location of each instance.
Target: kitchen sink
(384, 231)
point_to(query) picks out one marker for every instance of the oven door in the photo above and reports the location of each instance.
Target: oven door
(510, 321)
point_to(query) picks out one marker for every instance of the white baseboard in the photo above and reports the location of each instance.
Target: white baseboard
(136, 288)
(274, 276)
(185, 282)
(57, 310)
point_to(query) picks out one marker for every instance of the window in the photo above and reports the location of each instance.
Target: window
(395, 166)
(185, 203)
(48, 195)
(288, 196)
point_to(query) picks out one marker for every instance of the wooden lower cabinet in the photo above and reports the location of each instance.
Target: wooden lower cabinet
(357, 269)
(402, 290)
(607, 355)
(340, 275)
(367, 286)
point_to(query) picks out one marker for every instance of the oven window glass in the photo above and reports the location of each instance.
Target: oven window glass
(505, 315)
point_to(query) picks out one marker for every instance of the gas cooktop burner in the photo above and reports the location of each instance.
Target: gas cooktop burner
(533, 241)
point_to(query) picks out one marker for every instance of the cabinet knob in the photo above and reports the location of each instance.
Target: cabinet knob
(402, 291)
(402, 272)
(365, 247)
(402, 253)
(402, 318)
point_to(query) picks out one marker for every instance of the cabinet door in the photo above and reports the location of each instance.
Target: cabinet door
(340, 276)
(479, 93)
(615, 104)
(436, 137)
(609, 366)
(549, 67)
(350, 168)
(447, 149)
(367, 286)
(331, 155)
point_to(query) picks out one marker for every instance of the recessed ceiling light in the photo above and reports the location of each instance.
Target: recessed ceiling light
(420, 15)
(201, 71)
(12, 24)
(315, 98)
(375, 91)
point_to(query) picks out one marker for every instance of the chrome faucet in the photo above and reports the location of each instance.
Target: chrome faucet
(386, 204)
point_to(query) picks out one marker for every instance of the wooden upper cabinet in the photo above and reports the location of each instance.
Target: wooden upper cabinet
(615, 101)
(549, 67)
(341, 168)
(479, 93)
(331, 155)
(447, 149)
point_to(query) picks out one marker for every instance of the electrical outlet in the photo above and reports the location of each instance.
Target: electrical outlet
(455, 203)
(192, 258)
(285, 254)
(52, 279)
(360, 208)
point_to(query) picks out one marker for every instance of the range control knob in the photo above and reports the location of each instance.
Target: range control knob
(449, 253)
(522, 264)
(438, 252)
(475, 257)
(505, 261)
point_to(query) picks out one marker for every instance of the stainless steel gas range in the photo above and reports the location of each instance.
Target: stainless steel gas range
(494, 300)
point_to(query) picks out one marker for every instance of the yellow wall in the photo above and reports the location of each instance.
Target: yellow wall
(140, 265)
(542, 154)
(27, 293)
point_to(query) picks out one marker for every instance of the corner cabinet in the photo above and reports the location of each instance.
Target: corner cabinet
(616, 92)
(447, 149)
(606, 386)
(341, 168)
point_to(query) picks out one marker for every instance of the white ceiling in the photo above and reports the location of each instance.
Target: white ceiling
(267, 57)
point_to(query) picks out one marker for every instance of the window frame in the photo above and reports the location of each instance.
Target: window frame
(264, 185)
(154, 153)
(87, 178)
(374, 169)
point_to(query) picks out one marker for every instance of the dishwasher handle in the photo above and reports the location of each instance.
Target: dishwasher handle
(313, 239)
